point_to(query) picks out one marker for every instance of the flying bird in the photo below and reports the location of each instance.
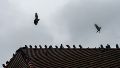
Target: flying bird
(98, 28)
(36, 19)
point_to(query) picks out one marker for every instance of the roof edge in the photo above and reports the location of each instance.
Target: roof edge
(56, 47)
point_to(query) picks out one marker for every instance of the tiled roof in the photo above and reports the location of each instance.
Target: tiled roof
(65, 57)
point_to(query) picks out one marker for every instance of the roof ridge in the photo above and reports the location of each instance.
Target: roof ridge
(68, 46)
(17, 51)
(27, 58)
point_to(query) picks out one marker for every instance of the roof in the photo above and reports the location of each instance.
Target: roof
(65, 57)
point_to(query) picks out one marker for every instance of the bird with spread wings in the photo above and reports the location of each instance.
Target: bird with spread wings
(36, 19)
(98, 28)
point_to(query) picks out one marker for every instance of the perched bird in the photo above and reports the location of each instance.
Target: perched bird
(98, 28)
(3, 65)
(117, 46)
(80, 46)
(7, 62)
(50, 46)
(68, 46)
(36, 19)
(45, 46)
(56, 46)
(74, 46)
(61, 46)
(40, 46)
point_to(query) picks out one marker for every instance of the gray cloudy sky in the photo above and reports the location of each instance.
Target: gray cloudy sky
(62, 21)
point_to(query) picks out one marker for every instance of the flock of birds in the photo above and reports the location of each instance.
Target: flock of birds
(36, 22)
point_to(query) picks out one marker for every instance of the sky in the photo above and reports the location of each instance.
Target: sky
(61, 21)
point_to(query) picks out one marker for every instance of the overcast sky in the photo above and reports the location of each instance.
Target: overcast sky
(61, 21)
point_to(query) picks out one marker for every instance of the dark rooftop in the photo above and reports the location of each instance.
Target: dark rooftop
(60, 57)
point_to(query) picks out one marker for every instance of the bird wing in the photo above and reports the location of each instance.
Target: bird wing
(97, 27)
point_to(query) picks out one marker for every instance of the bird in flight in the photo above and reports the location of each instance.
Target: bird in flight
(36, 19)
(98, 28)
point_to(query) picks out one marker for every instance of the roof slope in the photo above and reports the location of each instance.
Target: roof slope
(65, 57)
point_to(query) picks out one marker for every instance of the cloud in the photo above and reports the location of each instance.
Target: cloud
(17, 28)
(79, 17)
(64, 21)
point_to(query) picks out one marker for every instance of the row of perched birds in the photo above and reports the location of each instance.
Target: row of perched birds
(61, 47)
(36, 22)
(68, 46)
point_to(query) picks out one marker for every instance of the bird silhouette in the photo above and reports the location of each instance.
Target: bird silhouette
(36, 19)
(3, 65)
(98, 28)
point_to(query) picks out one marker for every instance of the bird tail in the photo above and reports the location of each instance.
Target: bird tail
(97, 31)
